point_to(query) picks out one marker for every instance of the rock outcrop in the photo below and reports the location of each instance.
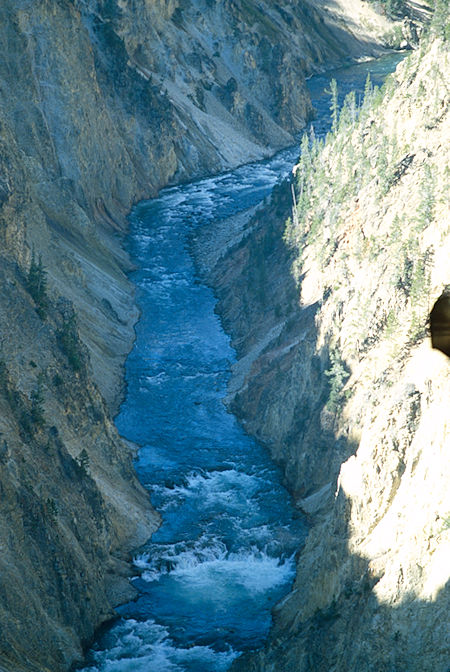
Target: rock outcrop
(102, 102)
(337, 376)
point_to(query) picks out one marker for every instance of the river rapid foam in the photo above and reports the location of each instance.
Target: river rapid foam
(225, 553)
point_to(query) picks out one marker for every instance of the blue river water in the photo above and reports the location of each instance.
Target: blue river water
(225, 552)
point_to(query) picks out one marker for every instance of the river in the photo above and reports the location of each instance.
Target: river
(225, 552)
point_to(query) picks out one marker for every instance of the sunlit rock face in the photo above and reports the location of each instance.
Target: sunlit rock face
(101, 104)
(104, 102)
(232, 73)
(341, 382)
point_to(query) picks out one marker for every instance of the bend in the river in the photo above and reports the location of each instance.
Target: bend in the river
(224, 554)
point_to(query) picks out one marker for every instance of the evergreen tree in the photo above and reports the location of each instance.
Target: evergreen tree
(37, 405)
(69, 342)
(337, 375)
(303, 177)
(37, 285)
(347, 116)
(84, 461)
(440, 23)
(383, 165)
(425, 212)
(334, 106)
(368, 92)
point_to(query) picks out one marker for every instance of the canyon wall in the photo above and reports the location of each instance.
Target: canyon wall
(101, 104)
(337, 377)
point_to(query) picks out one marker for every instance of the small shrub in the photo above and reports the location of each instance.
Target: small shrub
(3, 374)
(26, 424)
(57, 380)
(52, 508)
(391, 323)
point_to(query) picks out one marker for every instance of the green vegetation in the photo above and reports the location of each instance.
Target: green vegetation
(393, 8)
(51, 508)
(440, 22)
(9, 391)
(394, 37)
(316, 187)
(334, 106)
(58, 380)
(343, 186)
(37, 405)
(36, 285)
(337, 375)
(425, 211)
(83, 461)
(29, 413)
(391, 323)
(251, 14)
(420, 285)
(70, 343)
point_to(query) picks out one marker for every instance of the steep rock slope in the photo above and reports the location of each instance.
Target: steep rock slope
(104, 102)
(337, 376)
(101, 104)
(234, 72)
(70, 503)
(73, 160)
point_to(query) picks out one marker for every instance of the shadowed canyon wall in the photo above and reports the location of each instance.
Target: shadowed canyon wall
(337, 377)
(101, 104)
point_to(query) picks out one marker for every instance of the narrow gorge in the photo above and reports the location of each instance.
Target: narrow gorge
(337, 377)
(102, 104)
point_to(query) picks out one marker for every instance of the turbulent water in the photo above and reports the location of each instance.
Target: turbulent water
(224, 554)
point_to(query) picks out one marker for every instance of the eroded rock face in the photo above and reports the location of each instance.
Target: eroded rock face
(102, 102)
(336, 374)
(232, 74)
(70, 507)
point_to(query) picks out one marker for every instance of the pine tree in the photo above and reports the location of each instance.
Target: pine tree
(84, 461)
(303, 176)
(440, 23)
(37, 285)
(334, 106)
(368, 93)
(425, 211)
(69, 342)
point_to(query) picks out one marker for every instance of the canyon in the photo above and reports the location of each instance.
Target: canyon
(102, 104)
(337, 377)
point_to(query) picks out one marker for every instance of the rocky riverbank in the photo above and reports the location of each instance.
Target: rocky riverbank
(102, 103)
(337, 377)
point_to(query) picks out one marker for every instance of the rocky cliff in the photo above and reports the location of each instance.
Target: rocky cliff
(101, 104)
(336, 375)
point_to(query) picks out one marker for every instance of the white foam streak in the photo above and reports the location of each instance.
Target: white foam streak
(165, 558)
(231, 490)
(208, 566)
(146, 647)
(253, 572)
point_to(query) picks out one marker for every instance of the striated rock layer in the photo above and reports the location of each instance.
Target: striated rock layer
(102, 102)
(336, 375)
